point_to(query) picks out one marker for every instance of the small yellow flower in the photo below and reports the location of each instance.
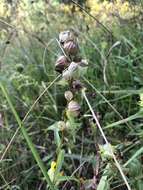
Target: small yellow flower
(51, 171)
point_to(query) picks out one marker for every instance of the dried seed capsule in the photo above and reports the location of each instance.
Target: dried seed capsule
(65, 36)
(71, 72)
(61, 64)
(71, 48)
(68, 95)
(74, 108)
(67, 75)
(72, 67)
(77, 85)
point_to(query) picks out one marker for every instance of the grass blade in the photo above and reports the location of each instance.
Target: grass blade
(138, 152)
(103, 184)
(28, 139)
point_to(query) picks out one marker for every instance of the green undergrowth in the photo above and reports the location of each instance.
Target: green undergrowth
(27, 69)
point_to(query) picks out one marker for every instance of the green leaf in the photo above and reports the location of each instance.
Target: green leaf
(103, 184)
(67, 178)
(53, 127)
(56, 130)
(57, 137)
(135, 168)
(138, 152)
(59, 164)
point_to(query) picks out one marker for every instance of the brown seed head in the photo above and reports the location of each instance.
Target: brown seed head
(71, 48)
(74, 108)
(61, 64)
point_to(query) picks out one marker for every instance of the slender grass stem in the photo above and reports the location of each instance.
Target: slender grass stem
(28, 140)
(104, 137)
(25, 117)
(113, 108)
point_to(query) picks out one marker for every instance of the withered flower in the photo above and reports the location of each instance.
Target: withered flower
(65, 36)
(68, 95)
(71, 48)
(70, 72)
(67, 75)
(77, 85)
(74, 108)
(72, 67)
(61, 64)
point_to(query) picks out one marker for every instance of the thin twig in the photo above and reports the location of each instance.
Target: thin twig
(74, 173)
(25, 117)
(113, 108)
(105, 61)
(104, 137)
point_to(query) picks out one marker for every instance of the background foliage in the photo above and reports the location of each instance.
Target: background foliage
(28, 50)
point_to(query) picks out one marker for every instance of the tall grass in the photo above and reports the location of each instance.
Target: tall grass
(28, 140)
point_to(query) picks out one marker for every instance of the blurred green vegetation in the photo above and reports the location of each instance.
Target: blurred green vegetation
(28, 51)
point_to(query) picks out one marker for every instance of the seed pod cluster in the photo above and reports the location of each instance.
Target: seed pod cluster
(72, 67)
(69, 43)
(70, 47)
